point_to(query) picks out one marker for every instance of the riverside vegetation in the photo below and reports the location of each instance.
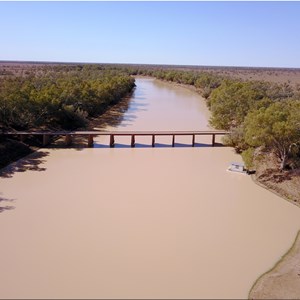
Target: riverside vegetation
(60, 97)
(56, 97)
(263, 117)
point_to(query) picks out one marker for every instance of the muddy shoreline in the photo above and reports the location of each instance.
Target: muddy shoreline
(282, 281)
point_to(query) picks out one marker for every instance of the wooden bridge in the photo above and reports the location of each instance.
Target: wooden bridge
(68, 135)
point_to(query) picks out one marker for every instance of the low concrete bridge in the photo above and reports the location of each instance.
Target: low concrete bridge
(68, 135)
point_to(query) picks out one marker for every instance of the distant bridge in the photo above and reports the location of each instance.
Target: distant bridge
(68, 135)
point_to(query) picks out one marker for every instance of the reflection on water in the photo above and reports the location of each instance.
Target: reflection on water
(4, 201)
(141, 223)
(114, 116)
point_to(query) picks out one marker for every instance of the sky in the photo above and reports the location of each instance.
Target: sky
(255, 34)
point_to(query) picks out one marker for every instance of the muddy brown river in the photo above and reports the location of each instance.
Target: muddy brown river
(139, 222)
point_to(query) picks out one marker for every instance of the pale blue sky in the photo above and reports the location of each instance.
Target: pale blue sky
(264, 34)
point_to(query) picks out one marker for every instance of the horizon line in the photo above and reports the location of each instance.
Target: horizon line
(144, 64)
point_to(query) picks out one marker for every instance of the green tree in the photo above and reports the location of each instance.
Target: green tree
(230, 103)
(276, 127)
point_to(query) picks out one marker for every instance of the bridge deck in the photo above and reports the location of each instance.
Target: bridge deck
(90, 134)
(116, 132)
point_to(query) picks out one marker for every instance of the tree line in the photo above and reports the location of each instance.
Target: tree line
(60, 97)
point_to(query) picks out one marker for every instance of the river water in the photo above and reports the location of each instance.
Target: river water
(147, 222)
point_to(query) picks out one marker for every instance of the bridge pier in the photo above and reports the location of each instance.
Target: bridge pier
(133, 141)
(68, 140)
(46, 139)
(90, 141)
(173, 140)
(22, 137)
(153, 140)
(213, 139)
(112, 140)
(193, 141)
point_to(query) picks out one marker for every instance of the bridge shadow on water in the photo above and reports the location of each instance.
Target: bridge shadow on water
(32, 162)
(157, 145)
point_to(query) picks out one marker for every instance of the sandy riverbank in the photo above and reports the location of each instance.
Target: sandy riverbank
(283, 280)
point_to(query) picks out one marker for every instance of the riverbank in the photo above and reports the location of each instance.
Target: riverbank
(285, 183)
(282, 281)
